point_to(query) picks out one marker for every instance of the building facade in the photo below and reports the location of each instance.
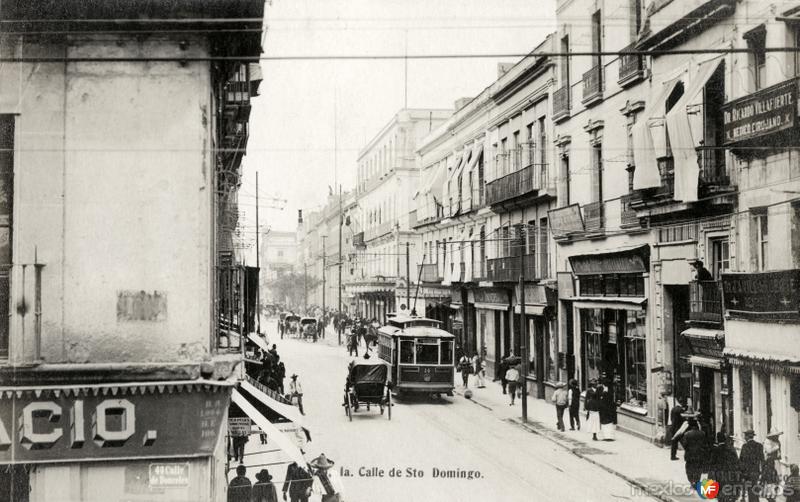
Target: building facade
(278, 257)
(113, 359)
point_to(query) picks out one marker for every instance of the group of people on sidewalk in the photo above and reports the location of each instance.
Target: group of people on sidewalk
(474, 365)
(300, 483)
(357, 330)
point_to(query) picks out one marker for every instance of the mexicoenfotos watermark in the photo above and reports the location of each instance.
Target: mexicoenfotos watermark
(706, 489)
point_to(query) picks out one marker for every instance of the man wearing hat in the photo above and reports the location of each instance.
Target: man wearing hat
(677, 419)
(751, 461)
(326, 482)
(561, 400)
(696, 452)
(264, 490)
(298, 483)
(296, 391)
(239, 489)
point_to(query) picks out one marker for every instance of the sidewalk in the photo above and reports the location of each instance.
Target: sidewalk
(635, 460)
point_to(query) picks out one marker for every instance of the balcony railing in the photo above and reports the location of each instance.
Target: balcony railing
(517, 184)
(358, 240)
(593, 83)
(712, 166)
(631, 66)
(594, 216)
(628, 217)
(429, 272)
(705, 301)
(678, 233)
(507, 269)
(561, 104)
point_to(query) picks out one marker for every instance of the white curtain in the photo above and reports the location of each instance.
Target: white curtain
(649, 139)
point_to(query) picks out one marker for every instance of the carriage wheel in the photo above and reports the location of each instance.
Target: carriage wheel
(389, 403)
(347, 410)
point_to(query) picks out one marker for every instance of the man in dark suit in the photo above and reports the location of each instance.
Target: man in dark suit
(751, 462)
(676, 418)
(695, 445)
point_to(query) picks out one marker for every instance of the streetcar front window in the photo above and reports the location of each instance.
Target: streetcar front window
(427, 353)
(447, 353)
(407, 352)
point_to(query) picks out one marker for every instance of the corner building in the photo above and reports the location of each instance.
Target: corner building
(119, 182)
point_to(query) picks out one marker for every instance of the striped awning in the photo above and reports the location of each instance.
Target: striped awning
(119, 389)
(771, 363)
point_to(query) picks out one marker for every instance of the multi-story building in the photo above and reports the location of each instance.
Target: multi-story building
(119, 181)
(482, 209)
(386, 181)
(757, 126)
(278, 257)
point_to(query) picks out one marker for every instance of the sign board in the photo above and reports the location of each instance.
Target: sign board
(54, 427)
(239, 426)
(764, 112)
(169, 475)
(491, 295)
(566, 220)
(763, 296)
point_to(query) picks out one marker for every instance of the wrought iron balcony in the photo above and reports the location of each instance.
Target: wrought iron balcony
(593, 85)
(594, 216)
(358, 240)
(429, 272)
(712, 166)
(517, 184)
(705, 301)
(631, 66)
(478, 269)
(507, 269)
(561, 103)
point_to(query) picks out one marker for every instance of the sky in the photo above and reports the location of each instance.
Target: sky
(313, 116)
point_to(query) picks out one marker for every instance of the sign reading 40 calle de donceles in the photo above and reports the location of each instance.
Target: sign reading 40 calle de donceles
(765, 112)
(61, 428)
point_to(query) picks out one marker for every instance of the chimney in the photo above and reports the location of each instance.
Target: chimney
(502, 68)
(461, 103)
(299, 216)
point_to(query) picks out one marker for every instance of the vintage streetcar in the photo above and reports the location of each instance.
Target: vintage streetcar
(420, 354)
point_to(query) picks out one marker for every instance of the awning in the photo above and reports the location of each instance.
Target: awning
(286, 410)
(491, 306)
(682, 139)
(531, 309)
(648, 132)
(284, 442)
(454, 189)
(772, 363)
(629, 260)
(599, 302)
(705, 334)
(468, 168)
(258, 341)
(705, 362)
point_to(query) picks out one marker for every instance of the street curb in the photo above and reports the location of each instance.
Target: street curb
(571, 450)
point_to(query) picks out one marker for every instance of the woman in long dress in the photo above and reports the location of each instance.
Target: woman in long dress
(608, 413)
(592, 406)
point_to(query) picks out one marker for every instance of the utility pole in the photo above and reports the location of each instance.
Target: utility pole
(305, 287)
(324, 273)
(341, 223)
(408, 278)
(258, 266)
(523, 330)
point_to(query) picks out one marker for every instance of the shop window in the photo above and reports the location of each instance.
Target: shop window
(551, 369)
(746, 390)
(592, 330)
(636, 359)
(611, 285)
(532, 348)
(591, 285)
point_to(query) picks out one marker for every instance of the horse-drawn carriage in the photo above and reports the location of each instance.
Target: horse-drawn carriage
(367, 385)
(308, 328)
(291, 323)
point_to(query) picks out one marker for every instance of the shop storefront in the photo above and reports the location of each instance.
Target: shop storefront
(159, 440)
(545, 360)
(492, 307)
(611, 340)
(761, 328)
(711, 393)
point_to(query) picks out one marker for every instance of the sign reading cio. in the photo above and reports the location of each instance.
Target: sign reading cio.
(89, 427)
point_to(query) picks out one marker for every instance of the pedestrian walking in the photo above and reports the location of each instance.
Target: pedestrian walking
(280, 375)
(561, 400)
(512, 380)
(297, 483)
(770, 474)
(695, 448)
(296, 393)
(574, 403)
(676, 419)
(240, 487)
(479, 367)
(592, 407)
(751, 460)
(264, 490)
(464, 366)
(503, 367)
(327, 482)
(724, 469)
(608, 413)
(238, 448)
(281, 328)
(791, 489)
